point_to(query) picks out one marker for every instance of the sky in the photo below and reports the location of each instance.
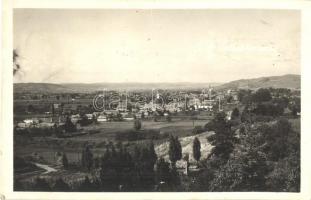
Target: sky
(105, 45)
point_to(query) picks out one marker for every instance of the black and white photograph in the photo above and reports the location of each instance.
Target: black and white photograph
(156, 100)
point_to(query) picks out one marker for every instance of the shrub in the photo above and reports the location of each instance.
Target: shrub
(197, 130)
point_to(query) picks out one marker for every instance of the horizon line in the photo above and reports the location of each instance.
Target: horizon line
(133, 82)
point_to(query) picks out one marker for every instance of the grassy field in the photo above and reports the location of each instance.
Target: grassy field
(103, 133)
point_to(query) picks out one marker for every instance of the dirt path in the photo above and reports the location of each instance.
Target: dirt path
(47, 168)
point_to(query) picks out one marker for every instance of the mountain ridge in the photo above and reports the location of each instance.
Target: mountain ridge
(291, 81)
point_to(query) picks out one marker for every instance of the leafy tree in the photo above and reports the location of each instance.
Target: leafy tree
(94, 119)
(281, 101)
(96, 162)
(261, 95)
(277, 139)
(16, 66)
(209, 126)
(196, 149)
(243, 173)
(268, 109)
(86, 185)
(152, 154)
(137, 124)
(175, 150)
(246, 115)
(69, 126)
(229, 99)
(285, 176)
(65, 161)
(244, 96)
(85, 120)
(87, 158)
(223, 139)
(163, 170)
(40, 184)
(61, 186)
(143, 115)
(295, 106)
(18, 186)
(235, 113)
(246, 167)
(168, 118)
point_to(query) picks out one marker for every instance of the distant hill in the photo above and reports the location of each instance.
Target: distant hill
(40, 88)
(287, 81)
(91, 87)
(290, 81)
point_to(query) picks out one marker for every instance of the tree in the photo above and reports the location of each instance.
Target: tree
(261, 95)
(285, 175)
(163, 170)
(40, 184)
(175, 150)
(196, 149)
(152, 154)
(65, 161)
(209, 126)
(229, 99)
(16, 66)
(295, 106)
(168, 118)
(137, 124)
(86, 185)
(223, 139)
(61, 186)
(94, 119)
(246, 167)
(278, 139)
(235, 113)
(18, 186)
(69, 126)
(87, 158)
(85, 120)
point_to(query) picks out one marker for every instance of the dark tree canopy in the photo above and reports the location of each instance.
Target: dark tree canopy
(235, 113)
(65, 161)
(223, 139)
(40, 184)
(196, 148)
(87, 158)
(16, 66)
(163, 170)
(69, 126)
(137, 124)
(61, 186)
(262, 95)
(175, 150)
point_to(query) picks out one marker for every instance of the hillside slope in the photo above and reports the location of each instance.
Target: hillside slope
(186, 144)
(291, 81)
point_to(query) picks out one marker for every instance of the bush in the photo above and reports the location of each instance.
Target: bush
(40, 184)
(209, 126)
(197, 130)
(137, 124)
(85, 121)
(196, 148)
(268, 109)
(261, 95)
(175, 150)
(60, 186)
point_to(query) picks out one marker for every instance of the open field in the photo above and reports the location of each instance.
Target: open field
(103, 133)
